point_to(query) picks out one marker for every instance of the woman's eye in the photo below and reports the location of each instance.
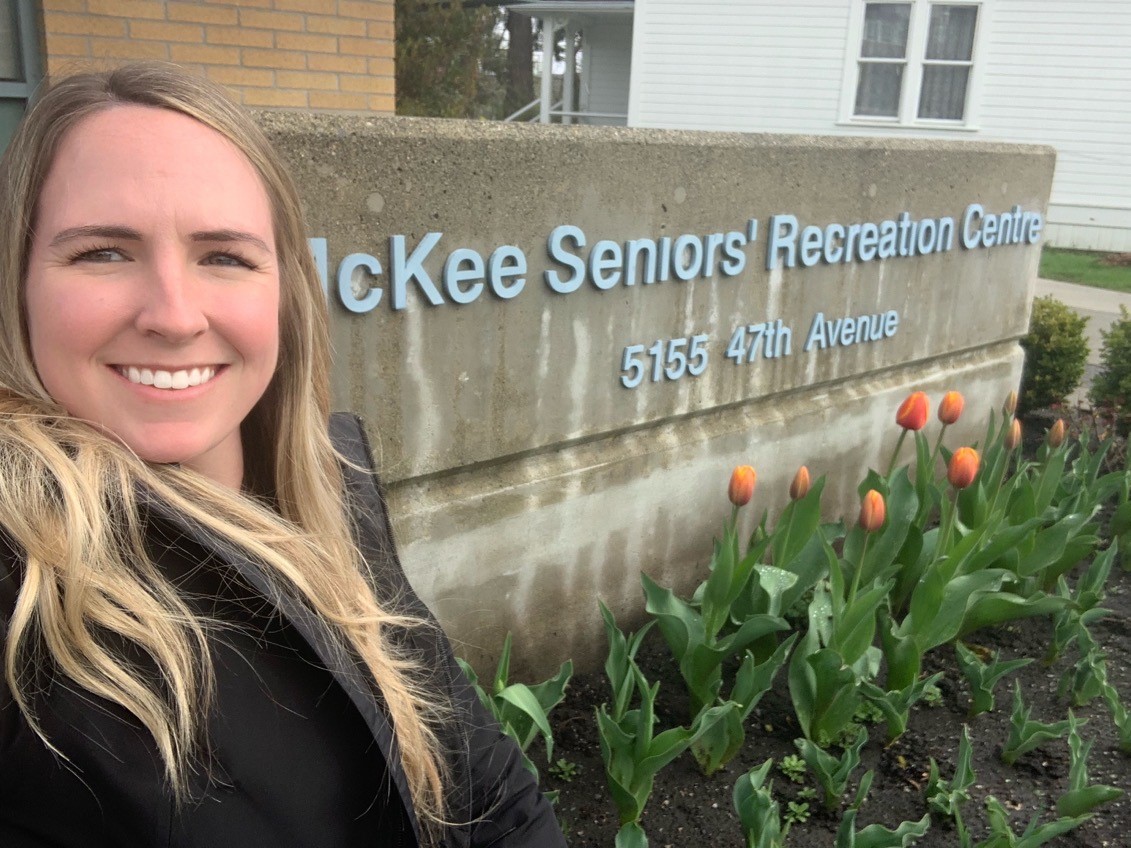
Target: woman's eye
(228, 260)
(100, 254)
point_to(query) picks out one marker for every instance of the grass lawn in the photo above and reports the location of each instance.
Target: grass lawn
(1084, 267)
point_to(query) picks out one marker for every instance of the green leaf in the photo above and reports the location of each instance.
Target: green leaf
(754, 680)
(810, 566)
(519, 696)
(853, 634)
(631, 835)
(502, 672)
(803, 681)
(680, 624)
(999, 607)
(836, 694)
(1078, 802)
(1049, 480)
(724, 584)
(797, 525)
(551, 692)
(878, 836)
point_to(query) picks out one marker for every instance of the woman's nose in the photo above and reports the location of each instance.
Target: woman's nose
(171, 305)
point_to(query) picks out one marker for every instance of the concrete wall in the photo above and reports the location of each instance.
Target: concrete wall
(525, 479)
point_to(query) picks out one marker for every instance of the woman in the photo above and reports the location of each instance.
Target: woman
(207, 636)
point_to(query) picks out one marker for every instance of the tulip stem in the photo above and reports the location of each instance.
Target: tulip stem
(938, 444)
(858, 569)
(895, 453)
(947, 525)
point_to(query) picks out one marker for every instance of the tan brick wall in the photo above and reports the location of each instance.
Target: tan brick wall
(316, 54)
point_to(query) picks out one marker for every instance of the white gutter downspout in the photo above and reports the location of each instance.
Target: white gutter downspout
(570, 72)
(549, 27)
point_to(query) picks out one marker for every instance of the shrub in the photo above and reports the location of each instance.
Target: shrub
(1056, 351)
(1112, 386)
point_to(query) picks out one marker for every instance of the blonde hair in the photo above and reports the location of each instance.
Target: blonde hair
(68, 494)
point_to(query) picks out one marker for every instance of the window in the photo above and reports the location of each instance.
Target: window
(19, 62)
(913, 62)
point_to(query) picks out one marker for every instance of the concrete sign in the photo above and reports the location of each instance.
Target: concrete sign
(563, 339)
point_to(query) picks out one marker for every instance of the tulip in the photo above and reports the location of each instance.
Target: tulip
(950, 408)
(963, 467)
(1056, 434)
(1010, 405)
(913, 412)
(741, 488)
(799, 488)
(1013, 437)
(873, 511)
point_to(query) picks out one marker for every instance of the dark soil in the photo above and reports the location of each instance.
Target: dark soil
(688, 809)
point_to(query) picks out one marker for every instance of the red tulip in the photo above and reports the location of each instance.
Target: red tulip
(950, 408)
(963, 467)
(741, 488)
(1056, 434)
(873, 511)
(1013, 437)
(799, 488)
(913, 412)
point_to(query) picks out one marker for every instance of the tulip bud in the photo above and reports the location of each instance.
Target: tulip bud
(1010, 405)
(951, 407)
(873, 511)
(1013, 437)
(913, 412)
(963, 467)
(799, 488)
(1056, 434)
(741, 488)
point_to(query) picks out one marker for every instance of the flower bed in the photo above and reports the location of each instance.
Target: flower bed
(945, 670)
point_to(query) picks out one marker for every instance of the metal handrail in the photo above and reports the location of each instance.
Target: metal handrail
(531, 105)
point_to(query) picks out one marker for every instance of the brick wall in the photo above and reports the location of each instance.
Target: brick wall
(317, 54)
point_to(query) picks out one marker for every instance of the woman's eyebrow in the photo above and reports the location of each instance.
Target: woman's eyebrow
(108, 231)
(231, 235)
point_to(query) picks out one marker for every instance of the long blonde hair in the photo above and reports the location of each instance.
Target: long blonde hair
(68, 494)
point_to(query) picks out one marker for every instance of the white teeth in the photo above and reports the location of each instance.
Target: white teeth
(171, 380)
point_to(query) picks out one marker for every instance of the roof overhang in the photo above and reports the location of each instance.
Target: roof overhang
(537, 8)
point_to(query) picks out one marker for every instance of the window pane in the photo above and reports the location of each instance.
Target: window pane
(885, 30)
(944, 92)
(877, 92)
(951, 35)
(9, 42)
(11, 111)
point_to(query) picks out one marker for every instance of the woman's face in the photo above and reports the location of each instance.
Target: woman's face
(152, 288)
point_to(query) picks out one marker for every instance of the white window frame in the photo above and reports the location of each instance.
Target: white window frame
(912, 81)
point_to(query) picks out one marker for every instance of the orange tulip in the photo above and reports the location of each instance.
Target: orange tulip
(963, 467)
(1013, 437)
(913, 412)
(873, 511)
(951, 406)
(741, 488)
(1056, 434)
(799, 488)
(1010, 405)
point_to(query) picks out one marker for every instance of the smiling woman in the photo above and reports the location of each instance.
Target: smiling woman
(159, 272)
(178, 507)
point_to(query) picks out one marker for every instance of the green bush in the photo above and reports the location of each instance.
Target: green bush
(1112, 386)
(1056, 351)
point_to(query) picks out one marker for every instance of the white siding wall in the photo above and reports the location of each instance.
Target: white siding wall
(608, 56)
(745, 65)
(1049, 72)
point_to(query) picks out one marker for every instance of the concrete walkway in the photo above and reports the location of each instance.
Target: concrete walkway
(1099, 306)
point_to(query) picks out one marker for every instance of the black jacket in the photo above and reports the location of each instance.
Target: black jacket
(300, 750)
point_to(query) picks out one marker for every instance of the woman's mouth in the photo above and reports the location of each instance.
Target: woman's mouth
(173, 380)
